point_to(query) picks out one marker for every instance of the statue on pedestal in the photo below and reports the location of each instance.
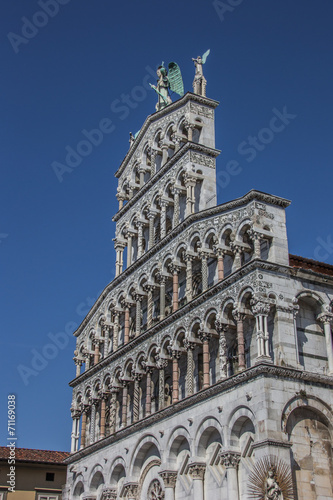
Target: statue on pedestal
(200, 82)
(168, 80)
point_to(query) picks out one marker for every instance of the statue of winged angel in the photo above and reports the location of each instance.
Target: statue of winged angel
(200, 82)
(168, 81)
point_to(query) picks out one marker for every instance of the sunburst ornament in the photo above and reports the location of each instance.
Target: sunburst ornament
(271, 479)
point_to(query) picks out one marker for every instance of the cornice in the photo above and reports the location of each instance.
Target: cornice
(158, 115)
(261, 370)
(191, 219)
(189, 146)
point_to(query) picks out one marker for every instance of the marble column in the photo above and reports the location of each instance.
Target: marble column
(93, 421)
(136, 396)
(138, 300)
(175, 376)
(239, 317)
(116, 330)
(129, 249)
(175, 286)
(126, 323)
(255, 237)
(220, 264)
(151, 218)
(164, 205)
(150, 289)
(161, 364)
(205, 337)
(327, 319)
(189, 346)
(140, 238)
(165, 156)
(222, 329)
(176, 207)
(149, 372)
(78, 363)
(124, 404)
(189, 285)
(113, 408)
(162, 280)
(103, 409)
(238, 256)
(231, 460)
(197, 472)
(261, 310)
(204, 270)
(84, 427)
(75, 432)
(96, 352)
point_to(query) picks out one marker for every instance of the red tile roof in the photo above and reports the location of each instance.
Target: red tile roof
(314, 265)
(41, 456)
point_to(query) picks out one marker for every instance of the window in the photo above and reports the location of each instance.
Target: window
(49, 476)
(48, 497)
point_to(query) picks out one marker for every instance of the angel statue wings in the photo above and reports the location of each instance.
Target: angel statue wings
(168, 81)
(200, 82)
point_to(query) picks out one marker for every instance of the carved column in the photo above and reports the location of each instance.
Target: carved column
(162, 280)
(169, 479)
(204, 270)
(113, 409)
(161, 364)
(153, 155)
(124, 404)
(176, 208)
(239, 317)
(103, 408)
(260, 310)
(148, 391)
(205, 337)
(116, 330)
(189, 346)
(189, 286)
(75, 431)
(126, 322)
(197, 472)
(150, 289)
(175, 376)
(140, 225)
(106, 339)
(231, 460)
(164, 205)
(223, 350)
(93, 420)
(142, 176)
(138, 300)
(151, 218)
(136, 396)
(327, 319)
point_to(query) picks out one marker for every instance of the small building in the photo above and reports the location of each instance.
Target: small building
(39, 474)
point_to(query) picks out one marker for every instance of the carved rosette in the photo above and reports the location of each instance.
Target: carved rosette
(230, 459)
(169, 478)
(155, 491)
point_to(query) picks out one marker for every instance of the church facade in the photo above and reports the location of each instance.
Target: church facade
(205, 368)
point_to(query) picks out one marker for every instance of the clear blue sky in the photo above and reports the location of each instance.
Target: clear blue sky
(56, 237)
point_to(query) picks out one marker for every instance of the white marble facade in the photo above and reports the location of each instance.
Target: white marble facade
(209, 351)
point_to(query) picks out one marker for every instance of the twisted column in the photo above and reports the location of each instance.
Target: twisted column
(150, 289)
(113, 409)
(151, 218)
(138, 299)
(161, 364)
(140, 225)
(164, 205)
(93, 421)
(189, 285)
(136, 396)
(174, 270)
(204, 270)
(176, 208)
(149, 372)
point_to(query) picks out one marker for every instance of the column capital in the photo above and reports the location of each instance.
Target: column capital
(197, 470)
(238, 314)
(109, 493)
(169, 478)
(325, 317)
(161, 363)
(260, 307)
(174, 353)
(220, 326)
(230, 459)
(204, 336)
(189, 346)
(174, 268)
(130, 490)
